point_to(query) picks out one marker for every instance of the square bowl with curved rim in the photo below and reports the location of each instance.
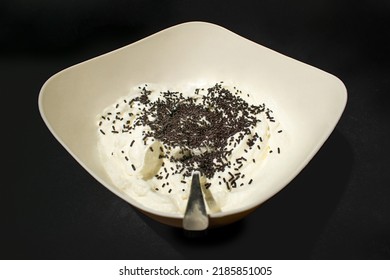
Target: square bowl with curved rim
(309, 101)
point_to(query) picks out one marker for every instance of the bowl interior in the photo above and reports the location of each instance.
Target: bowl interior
(307, 101)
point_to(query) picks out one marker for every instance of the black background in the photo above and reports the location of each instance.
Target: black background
(338, 207)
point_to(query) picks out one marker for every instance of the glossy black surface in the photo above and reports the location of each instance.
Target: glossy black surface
(337, 208)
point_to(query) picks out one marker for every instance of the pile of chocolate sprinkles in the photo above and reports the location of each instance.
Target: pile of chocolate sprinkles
(203, 128)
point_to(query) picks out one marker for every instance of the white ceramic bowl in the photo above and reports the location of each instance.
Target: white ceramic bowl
(309, 101)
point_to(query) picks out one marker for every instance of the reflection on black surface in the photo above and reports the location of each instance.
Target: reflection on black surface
(285, 227)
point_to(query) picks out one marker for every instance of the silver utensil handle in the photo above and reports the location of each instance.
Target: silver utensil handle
(195, 216)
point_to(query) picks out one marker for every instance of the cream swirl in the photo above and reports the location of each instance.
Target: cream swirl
(151, 165)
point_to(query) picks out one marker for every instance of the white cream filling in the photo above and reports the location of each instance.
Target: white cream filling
(134, 163)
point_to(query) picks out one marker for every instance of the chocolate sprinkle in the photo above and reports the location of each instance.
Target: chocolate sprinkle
(204, 129)
(184, 122)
